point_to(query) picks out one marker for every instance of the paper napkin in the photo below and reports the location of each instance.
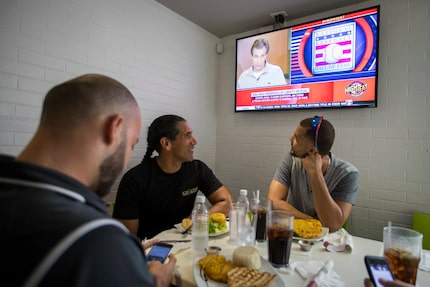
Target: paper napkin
(318, 273)
(425, 261)
(339, 241)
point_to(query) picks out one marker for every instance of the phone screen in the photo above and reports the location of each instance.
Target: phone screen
(377, 268)
(159, 252)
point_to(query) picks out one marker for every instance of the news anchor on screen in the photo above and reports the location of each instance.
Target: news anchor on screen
(261, 73)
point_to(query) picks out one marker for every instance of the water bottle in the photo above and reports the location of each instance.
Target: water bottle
(200, 229)
(243, 199)
(246, 231)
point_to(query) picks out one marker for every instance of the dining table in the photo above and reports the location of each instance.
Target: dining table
(348, 265)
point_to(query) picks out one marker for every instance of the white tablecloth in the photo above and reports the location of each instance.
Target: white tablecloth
(350, 266)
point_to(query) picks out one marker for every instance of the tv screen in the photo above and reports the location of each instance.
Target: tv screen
(328, 63)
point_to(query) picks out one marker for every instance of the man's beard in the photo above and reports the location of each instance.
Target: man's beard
(109, 170)
(293, 153)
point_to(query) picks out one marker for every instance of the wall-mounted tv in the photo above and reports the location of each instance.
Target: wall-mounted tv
(328, 63)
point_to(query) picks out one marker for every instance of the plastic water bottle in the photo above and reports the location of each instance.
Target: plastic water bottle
(200, 229)
(243, 199)
(246, 231)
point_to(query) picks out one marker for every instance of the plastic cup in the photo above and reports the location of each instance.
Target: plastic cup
(402, 249)
(260, 210)
(279, 231)
(237, 215)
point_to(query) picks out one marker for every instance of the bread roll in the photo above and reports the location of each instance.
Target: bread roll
(186, 222)
(247, 256)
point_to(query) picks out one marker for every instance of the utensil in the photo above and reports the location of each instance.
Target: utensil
(186, 230)
(176, 241)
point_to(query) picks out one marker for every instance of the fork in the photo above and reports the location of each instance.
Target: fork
(186, 230)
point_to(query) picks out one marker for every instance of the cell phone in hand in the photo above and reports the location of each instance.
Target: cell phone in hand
(159, 252)
(377, 267)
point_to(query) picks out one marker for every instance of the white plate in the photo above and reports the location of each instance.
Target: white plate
(265, 267)
(320, 236)
(180, 229)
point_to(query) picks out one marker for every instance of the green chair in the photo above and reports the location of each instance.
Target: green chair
(421, 223)
(346, 224)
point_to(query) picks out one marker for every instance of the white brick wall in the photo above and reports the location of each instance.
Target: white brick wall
(171, 67)
(389, 145)
(168, 63)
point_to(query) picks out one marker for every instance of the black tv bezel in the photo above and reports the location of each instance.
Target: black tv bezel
(373, 104)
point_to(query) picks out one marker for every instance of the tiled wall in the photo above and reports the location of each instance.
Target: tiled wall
(390, 145)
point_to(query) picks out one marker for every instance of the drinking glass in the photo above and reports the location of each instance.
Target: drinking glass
(237, 215)
(279, 231)
(402, 249)
(260, 209)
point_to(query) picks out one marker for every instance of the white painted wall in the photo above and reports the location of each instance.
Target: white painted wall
(389, 144)
(171, 67)
(168, 63)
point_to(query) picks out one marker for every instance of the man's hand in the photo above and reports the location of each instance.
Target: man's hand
(163, 273)
(387, 283)
(312, 162)
(150, 243)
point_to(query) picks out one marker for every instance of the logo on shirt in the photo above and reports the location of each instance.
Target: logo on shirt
(190, 191)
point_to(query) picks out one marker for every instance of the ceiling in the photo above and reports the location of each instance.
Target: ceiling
(227, 17)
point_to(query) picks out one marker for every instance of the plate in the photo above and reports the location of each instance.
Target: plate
(265, 267)
(179, 227)
(320, 236)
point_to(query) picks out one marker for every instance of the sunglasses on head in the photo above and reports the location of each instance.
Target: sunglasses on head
(316, 124)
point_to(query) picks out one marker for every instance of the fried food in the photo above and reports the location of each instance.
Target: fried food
(186, 222)
(216, 267)
(218, 217)
(244, 277)
(217, 223)
(307, 228)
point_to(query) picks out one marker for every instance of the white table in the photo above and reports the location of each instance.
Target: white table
(350, 266)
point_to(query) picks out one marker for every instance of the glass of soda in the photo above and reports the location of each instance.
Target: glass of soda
(260, 211)
(402, 249)
(279, 231)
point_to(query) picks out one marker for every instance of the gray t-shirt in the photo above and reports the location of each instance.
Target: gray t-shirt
(342, 180)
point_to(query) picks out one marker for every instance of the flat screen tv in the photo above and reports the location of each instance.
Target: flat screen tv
(328, 63)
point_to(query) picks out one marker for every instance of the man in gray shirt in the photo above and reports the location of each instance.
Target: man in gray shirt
(311, 182)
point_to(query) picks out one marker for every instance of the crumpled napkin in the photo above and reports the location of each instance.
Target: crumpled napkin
(318, 273)
(339, 241)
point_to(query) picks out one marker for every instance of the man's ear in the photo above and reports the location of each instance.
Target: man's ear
(113, 128)
(314, 149)
(165, 143)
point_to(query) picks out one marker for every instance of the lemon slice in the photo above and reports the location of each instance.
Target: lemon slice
(250, 216)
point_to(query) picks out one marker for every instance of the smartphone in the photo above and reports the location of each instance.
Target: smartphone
(377, 267)
(159, 252)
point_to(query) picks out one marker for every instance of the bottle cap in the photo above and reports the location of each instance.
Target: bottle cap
(200, 198)
(243, 192)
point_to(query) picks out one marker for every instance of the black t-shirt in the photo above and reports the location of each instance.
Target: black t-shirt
(38, 208)
(160, 200)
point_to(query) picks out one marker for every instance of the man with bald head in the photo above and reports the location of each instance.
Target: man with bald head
(50, 194)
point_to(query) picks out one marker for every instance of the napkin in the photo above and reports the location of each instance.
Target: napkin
(339, 241)
(425, 261)
(318, 274)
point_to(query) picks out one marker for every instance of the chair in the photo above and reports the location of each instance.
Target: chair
(346, 224)
(421, 223)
